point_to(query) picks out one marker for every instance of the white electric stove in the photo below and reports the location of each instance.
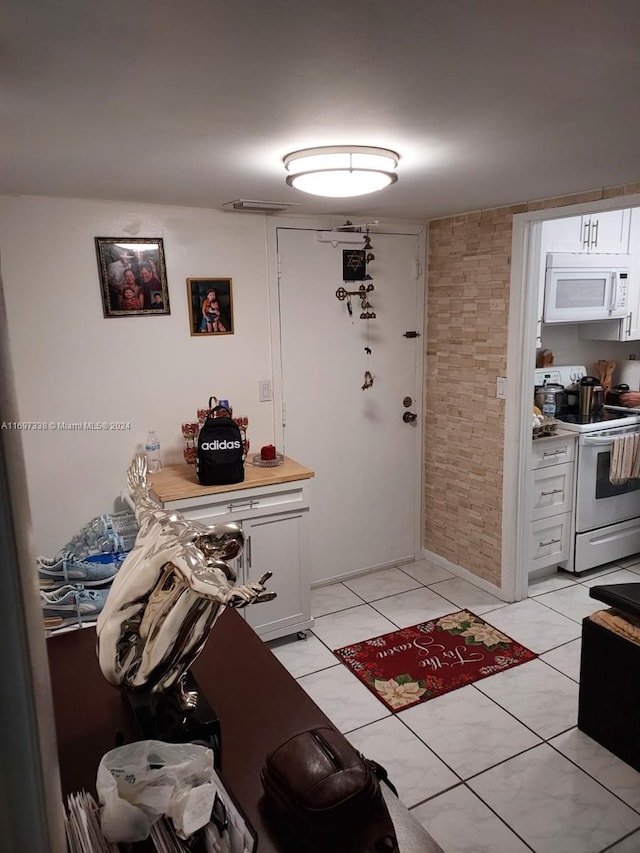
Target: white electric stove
(609, 417)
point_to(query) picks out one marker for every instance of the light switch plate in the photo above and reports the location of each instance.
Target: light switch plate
(501, 388)
(264, 390)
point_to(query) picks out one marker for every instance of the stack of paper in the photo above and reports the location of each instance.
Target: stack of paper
(82, 823)
(165, 840)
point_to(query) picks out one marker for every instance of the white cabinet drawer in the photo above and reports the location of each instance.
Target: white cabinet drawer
(550, 541)
(553, 451)
(247, 503)
(552, 490)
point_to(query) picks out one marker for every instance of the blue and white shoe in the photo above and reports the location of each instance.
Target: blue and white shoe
(64, 569)
(71, 605)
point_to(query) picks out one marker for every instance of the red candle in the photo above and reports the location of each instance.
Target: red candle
(268, 452)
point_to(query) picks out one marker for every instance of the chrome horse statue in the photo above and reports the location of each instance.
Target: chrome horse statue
(167, 595)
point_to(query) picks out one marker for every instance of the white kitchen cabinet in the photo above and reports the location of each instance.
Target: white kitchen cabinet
(626, 329)
(552, 485)
(273, 515)
(605, 232)
(277, 543)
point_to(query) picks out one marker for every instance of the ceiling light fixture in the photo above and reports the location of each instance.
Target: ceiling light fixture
(340, 171)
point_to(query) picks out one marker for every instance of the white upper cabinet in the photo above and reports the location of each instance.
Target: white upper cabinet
(606, 232)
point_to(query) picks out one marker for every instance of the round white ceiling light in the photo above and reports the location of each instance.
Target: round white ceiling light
(340, 171)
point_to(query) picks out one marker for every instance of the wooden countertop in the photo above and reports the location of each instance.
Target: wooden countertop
(176, 482)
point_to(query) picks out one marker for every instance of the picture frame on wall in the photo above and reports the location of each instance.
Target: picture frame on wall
(210, 306)
(133, 277)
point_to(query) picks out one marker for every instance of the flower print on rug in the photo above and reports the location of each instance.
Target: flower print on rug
(414, 664)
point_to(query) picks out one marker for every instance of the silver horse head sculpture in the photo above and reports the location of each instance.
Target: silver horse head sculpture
(167, 595)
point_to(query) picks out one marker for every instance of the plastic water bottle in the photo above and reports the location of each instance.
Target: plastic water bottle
(549, 406)
(152, 451)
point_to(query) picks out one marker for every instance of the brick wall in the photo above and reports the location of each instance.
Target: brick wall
(466, 349)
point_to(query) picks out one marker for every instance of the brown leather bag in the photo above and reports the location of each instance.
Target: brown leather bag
(327, 795)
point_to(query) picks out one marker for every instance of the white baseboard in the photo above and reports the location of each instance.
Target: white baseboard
(436, 559)
(465, 574)
(358, 573)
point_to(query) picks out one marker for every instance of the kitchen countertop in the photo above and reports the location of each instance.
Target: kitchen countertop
(176, 482)
(560, 433)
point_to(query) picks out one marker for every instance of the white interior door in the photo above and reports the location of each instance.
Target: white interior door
(365, 497)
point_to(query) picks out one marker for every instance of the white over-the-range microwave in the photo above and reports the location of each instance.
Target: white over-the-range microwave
(579, 288)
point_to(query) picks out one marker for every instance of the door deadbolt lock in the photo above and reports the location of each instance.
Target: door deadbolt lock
(407, 402)
(409, 417)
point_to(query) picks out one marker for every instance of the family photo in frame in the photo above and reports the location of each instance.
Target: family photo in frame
(133, 278)
(210, 306)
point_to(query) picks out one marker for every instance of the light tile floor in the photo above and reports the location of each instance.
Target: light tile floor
(493, 767)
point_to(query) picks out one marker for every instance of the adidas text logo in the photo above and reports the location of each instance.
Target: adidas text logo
(221, 445)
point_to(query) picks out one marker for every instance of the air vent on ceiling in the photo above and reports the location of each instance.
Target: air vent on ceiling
(252, 205)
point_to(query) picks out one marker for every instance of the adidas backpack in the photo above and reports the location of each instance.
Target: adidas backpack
(220, 450)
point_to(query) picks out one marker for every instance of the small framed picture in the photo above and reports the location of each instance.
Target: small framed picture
(133, 278)
(210, 306)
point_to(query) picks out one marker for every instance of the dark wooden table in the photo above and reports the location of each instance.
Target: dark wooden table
(257, 701)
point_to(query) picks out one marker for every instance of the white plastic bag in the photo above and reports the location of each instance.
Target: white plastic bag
(139, 782)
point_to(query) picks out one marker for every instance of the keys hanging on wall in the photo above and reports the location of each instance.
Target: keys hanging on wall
(366, 308)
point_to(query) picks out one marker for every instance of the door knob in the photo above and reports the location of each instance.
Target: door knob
(409, 417)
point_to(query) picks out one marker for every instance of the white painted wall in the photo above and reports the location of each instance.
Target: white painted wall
(71, 364)
(568, 348)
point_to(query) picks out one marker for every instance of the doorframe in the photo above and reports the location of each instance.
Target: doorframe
(413, 228)
(525, 283)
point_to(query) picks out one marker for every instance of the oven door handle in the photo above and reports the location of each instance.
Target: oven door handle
(598, 440)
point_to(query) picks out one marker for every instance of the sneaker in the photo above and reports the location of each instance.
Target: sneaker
(71, 605)
(64, 569)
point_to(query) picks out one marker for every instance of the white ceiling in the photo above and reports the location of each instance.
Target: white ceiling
(195, 102)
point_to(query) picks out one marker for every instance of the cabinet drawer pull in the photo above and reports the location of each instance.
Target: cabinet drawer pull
(549, 453)
(550, 542)
(242, 505)
(552, 492)
(594, 235)
(586, 242)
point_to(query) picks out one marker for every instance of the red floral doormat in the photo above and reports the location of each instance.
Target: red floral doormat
(409, 666)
